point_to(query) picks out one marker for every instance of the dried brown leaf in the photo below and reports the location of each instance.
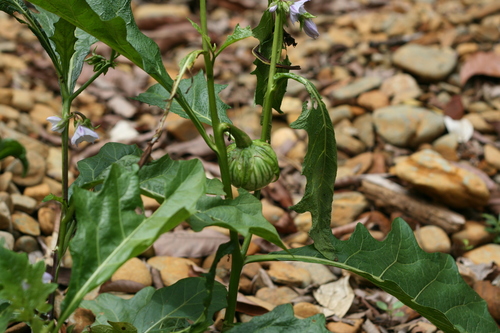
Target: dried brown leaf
(188, 244)
(481, 63)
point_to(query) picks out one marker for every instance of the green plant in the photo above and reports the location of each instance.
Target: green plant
(392, 309)
(106, 226)
(493, 226)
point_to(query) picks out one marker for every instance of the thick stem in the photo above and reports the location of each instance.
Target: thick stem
(267, 109)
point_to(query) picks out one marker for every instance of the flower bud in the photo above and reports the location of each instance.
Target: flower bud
(253, 167)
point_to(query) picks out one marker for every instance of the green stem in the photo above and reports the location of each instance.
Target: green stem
(95, 76)
(241, 139)
(246, 244)
(237, 263)
(267, 109)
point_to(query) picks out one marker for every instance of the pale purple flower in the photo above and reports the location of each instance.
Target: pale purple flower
(297, 9)
(57, 124)
(46, 278)
(83, 133)
(310, 28)
(299, 13)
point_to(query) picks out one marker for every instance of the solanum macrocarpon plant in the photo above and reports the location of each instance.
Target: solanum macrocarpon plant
(104, 223)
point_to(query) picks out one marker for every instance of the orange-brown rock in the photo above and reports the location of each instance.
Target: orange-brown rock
(430, 173)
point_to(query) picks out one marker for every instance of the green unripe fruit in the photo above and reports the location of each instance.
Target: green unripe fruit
(253, 167)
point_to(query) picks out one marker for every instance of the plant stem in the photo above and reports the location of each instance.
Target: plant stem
(267, 109)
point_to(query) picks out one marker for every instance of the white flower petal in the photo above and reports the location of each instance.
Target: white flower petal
(83, 133)
(462, 128)
(57, 125)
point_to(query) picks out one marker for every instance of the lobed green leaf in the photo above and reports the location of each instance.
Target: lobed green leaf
(427, 282)
(23, 293)
(282, 320)
(242, 214)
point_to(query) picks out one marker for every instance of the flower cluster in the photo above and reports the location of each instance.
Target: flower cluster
(82, 132)
(299, 14)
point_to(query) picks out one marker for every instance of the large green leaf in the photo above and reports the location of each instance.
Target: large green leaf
(112, 22)
(427, 282)
(196, 92)
(179, 303)
(154, 177)
(320, 167)
(282, 320)
(242, 214)
(110, 229)
(23, 294)
(108, 307)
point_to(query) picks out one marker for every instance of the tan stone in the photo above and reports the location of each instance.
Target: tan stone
(40, 113)
(276, 296)
(37, 192)
(5, 180)
(286, 142)
(172, 269)
(133, 270)
(372, 100)
(271, 212)
(36, 171)
(47, 219)
(346, 207)
(23, 203)
(183, 129)
(25, 224)
(26, 244)
(360, 163)
(473, 233)
(428, 172)
(479, 123)
(284, 273)
(492, 155)
(485, 254)
(338, 327)
(22, 99)
(433, 239)
(305, 310)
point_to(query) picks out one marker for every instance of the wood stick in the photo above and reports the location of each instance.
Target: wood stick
(392, 196)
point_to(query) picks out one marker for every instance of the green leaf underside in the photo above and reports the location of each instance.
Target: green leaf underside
(164, 310)
(320, 166)
(69, 43)
(282, 320)
(111, 231)
(22, 292)
(242, 214)
(427, 282)
(264, 33)
(196, 92)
